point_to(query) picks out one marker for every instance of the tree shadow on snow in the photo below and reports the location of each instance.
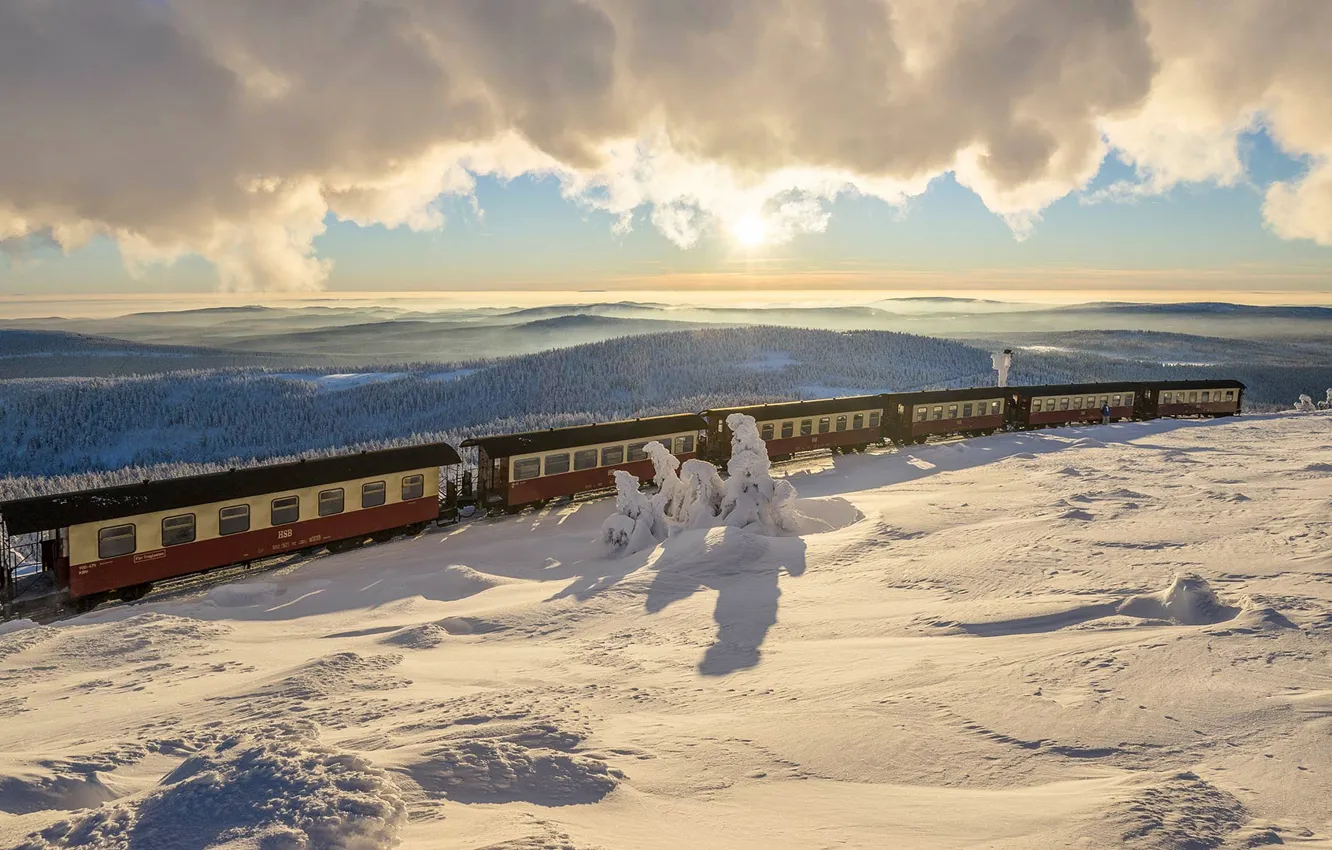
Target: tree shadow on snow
(745, 570)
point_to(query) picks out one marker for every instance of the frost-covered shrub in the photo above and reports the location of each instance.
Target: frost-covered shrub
(703, 493)
(1305, 404)
(636, 524)
(670, 496)
(754, 500)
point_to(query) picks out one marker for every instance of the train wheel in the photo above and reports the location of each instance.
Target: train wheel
(384, 536)
(337, 547)
(134, 593)
(84, 604)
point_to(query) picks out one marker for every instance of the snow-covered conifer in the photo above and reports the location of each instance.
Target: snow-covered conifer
(1305, 404)
(670, 496)
(753, 498)
(636, 525)
(703, 492)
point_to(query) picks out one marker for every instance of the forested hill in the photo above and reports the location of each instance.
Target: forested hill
(73, 425)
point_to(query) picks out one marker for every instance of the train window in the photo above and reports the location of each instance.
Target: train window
(857, 421)
(372, 494)
(1063, 403)
(938, 412)
(825, 424)
(806, 427)
(1207, 396)
(874, 419)
(233, 520)
(413, 487)
(1193, 396)
(996, 407)
(1166, 397)
(1230, 395)
(636, 452)
(1036, 404)
(1118, 400)
(922, 413)
(1105, 400)
(178, 530)
(585, 459)
(115, 541)
(841, 423)
(767, 431)
(557, 464)
(332, 501)
(285, 510)
(952, 411)
(788, 430)
(966, 411)
(687, 444)
(612, 455)
(527, 469)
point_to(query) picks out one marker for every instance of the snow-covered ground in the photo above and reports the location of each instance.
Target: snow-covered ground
(1103, 637)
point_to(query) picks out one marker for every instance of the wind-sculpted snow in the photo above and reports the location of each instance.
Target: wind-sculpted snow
(1092, 637)
(271, 788)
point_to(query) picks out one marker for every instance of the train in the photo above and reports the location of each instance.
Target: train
(91, 546)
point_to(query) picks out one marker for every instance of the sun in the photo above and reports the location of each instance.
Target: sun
(749, 231)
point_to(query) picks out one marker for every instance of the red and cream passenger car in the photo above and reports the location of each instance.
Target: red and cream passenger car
(915, 417)
(1066, 404)
(119, 540)
(840, 424)
(514, 470)
(1191, 398)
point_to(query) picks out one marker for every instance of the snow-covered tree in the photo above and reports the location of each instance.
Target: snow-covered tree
(670, 496)
(753, 498)
(703, 492)
(636, 524)
(1305, 404)
(1326, 404)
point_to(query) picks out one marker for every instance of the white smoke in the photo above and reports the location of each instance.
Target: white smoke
(236, 130)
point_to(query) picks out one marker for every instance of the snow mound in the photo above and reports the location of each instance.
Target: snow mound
(334, 674)
(241, 595)
(25, 794)
(490, 771)
(424, 636)
(277, 789)
(1188, 601)
(819, 516)
(142, 639)
(457, 581)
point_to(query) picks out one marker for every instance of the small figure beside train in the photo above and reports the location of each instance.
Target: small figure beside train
(117, 542)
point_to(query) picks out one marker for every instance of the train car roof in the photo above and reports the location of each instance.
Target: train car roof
(1076, 389)
(47, 513)
(508, 445)
(959, 394)
(1197, 385)
(797, 409)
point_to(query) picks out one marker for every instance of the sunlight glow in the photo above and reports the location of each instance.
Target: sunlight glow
(749, 231)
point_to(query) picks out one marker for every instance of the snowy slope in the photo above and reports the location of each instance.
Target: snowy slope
(1113, 636)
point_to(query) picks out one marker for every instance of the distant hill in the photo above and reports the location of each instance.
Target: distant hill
(212, 416)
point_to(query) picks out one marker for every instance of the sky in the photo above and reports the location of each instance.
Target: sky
(1154, 149)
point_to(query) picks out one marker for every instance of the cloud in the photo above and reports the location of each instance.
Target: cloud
(235, 130)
